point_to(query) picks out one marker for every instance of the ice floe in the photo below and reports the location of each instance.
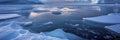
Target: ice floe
(7, 16)
(111, 19)
(115, 28)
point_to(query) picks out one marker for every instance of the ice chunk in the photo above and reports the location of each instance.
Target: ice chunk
(48, 23)
(115, 28)
(107, 37)
(7, 16)
(111, 19)
(13, 23)
(25, 23)
(73, 37)
(59, 33)
(75, 25)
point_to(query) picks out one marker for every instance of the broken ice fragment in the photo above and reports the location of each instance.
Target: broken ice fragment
(47, 23)
(75, 25)
(7, 16)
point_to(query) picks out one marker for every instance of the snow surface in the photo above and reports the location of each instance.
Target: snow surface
(7, 16)
(115, 28)
(111, 18)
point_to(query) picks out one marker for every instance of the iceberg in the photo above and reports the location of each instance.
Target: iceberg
(47, 23)
(113, 19)
(8, 16)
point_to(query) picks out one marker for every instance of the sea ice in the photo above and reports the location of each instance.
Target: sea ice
(11, 30)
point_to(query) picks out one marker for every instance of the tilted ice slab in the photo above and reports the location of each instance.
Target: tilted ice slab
(111, 19)
(115, 28)
(7, 16)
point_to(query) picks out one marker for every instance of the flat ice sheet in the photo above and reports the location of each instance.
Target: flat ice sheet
(111, 19)
(115, 28)
(7, 16)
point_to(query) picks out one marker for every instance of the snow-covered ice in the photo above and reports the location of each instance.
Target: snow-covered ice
(111, 19)
(7, 16)
(115, 28)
